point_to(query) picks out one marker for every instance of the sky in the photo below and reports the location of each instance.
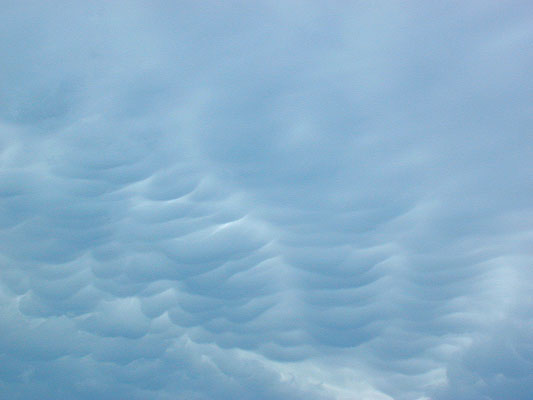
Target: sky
(266, 200)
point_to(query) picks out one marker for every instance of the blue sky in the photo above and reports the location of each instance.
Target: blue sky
(208, 200)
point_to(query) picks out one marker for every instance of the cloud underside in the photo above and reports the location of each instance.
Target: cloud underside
(266, 200)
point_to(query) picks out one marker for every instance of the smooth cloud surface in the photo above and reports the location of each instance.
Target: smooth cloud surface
(266, 200)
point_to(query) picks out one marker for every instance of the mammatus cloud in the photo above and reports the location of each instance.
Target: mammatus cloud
(266, 200)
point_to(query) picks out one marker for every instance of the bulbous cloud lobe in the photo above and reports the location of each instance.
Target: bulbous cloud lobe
(266, 200)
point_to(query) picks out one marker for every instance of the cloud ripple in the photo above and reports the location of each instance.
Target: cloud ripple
(274, 200)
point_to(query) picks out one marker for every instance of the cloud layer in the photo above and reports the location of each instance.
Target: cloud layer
(266, 200)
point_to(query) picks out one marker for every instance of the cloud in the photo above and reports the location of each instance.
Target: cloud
(277, 200)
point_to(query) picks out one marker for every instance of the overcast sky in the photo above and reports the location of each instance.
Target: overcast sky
(266, 200)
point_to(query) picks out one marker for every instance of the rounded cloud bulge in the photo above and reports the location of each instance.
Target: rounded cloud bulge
(265, 200)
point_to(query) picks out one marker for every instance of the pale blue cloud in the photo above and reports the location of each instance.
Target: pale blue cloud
(266, 200)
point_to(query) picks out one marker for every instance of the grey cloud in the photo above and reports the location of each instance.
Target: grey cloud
(277, 200)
